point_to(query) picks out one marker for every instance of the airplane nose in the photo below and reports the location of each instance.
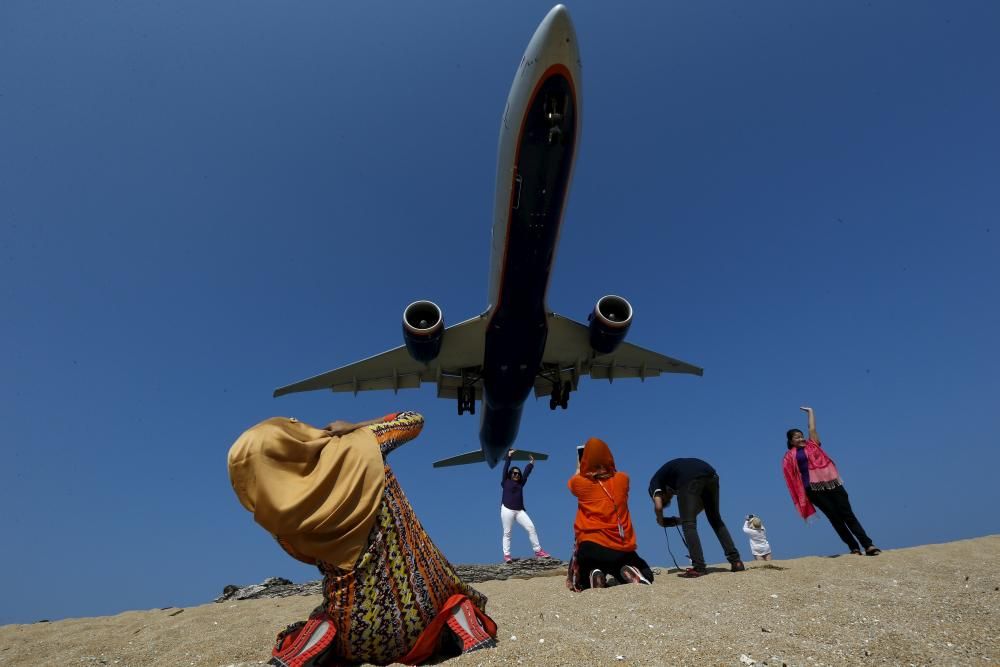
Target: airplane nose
(557, 27)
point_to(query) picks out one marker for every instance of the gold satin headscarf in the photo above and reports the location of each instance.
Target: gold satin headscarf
(317, 493)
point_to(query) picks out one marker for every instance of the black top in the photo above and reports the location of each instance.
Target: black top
(513, 491)
(675, 474)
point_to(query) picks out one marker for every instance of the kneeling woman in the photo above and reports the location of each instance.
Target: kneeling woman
(605, 539)
(329, 499)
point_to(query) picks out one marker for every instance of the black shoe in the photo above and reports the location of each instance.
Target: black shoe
(693, 573)
(737, 566)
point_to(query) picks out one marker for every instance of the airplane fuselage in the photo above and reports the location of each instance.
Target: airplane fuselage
(539, 135)
(516, 345)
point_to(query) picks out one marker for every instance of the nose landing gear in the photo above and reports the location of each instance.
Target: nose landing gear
(466, 400)
(554, 115)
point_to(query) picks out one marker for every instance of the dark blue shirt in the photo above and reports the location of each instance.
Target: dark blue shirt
(672, 475)
(513, 492)
(800, 458)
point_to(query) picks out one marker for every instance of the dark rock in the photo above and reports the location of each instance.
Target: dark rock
(518, 569)
(276, 587)
(272, 587)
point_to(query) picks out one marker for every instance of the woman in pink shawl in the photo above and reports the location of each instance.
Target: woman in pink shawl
(813, 481)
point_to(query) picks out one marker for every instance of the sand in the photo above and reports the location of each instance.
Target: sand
(935, 604)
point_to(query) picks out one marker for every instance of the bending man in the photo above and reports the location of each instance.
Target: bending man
(696, 485)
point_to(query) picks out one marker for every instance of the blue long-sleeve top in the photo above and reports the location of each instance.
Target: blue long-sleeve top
(513, 492)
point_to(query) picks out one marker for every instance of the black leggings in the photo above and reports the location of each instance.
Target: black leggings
(591, 556)
(835, 504)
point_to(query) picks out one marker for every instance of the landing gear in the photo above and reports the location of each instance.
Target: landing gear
(554, 115)
(466, 400)
(560, 395)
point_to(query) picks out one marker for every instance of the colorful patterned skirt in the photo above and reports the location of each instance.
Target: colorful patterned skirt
(400, 583)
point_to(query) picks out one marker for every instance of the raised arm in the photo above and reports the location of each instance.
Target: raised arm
(527, 471)
(813, 435)
(506, 466)
(396, 429)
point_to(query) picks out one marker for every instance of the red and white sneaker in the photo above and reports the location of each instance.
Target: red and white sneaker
(467, 628)
(303, 644)
(632, 575)
(542, 553)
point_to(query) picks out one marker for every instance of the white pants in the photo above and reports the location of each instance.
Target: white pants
(507, 518)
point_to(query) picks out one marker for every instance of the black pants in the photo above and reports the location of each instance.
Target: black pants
(835, 504)
(591, 556)
(700, 494)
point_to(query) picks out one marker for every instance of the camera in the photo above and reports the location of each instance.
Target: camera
(750, 516)
(579, 453)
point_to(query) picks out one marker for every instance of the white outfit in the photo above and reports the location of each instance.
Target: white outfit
(759, 546)
(507, 518)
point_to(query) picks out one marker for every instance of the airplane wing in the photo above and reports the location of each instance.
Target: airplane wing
(568, 356)
(461, 354)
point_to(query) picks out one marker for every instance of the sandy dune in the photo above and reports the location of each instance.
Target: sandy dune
(936, 604)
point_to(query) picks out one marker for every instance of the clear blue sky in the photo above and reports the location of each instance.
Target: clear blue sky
(200, 202)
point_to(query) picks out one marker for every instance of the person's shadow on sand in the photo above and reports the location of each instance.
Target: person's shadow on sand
(750, 567)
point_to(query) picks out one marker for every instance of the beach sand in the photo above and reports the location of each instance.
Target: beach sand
(935, 604)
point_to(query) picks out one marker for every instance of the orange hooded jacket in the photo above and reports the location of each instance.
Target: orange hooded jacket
(602, 500)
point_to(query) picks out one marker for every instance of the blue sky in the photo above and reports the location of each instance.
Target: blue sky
(200, 202)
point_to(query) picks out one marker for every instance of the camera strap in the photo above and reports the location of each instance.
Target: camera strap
(618, 518)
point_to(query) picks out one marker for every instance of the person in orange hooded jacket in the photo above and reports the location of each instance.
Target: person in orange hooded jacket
(605, 539)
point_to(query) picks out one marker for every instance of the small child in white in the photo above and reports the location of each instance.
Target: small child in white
(759, 546)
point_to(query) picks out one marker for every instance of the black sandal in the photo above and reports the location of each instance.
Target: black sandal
(855, 552)
(872, 551)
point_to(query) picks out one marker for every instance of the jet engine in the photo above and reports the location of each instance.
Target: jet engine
(609, 323)
(423, 330)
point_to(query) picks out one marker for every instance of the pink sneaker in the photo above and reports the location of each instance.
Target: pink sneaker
(541, 553)
(507, 558)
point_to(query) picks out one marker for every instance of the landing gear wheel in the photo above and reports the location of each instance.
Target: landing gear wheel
(556, 399)
(564, 396)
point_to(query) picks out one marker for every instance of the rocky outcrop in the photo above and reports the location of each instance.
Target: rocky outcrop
(273, 587)
(518, 569)
(276, 587)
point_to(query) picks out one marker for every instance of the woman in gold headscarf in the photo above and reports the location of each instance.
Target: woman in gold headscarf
(329, 499)
(605, 539)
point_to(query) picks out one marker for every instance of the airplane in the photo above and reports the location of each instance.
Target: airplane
(517, 345)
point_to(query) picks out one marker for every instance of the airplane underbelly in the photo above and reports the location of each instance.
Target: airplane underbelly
(512, 357)
(499, 430)
(532, 188)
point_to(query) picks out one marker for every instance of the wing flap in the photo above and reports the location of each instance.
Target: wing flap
(568, 355)
(461, 352)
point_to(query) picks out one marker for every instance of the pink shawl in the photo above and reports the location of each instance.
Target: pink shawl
(822, 475)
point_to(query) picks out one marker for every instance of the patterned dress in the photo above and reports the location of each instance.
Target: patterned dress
(401, 580)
